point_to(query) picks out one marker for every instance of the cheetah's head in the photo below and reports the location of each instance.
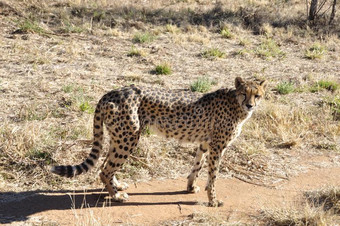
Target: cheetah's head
(249, 93)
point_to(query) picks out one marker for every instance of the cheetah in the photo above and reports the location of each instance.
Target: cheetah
(213, 120)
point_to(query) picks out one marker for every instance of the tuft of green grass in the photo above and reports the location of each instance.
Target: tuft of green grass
(269, 49)
(163, 69)
(226, 33)
(29, 26)
(316, 51)
(143, 38)
(135, 52)
(86, 107)
(202, 85)
(285, 88)
(79, 100)
(213, 53)
(324, 85)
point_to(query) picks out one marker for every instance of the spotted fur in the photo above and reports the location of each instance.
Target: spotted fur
(213, 120)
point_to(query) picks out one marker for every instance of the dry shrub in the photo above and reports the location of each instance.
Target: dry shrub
(18, 140)
(277, 123)
(23, 153)
(327, 198)
(71, 16)
(322, 207)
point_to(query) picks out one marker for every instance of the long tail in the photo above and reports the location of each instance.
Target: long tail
(90, 161)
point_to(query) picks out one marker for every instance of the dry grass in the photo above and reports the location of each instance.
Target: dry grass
(327, 198)
(59, 58)
(321, 207)
(307, 216)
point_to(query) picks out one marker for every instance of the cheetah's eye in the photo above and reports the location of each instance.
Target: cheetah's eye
(257, 96)
(245, 95)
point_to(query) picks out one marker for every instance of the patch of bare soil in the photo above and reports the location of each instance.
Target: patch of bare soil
(158, 201)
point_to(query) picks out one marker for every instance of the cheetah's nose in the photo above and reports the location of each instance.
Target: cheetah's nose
(249, 106)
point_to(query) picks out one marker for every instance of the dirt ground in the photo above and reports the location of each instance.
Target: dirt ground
(160, 201)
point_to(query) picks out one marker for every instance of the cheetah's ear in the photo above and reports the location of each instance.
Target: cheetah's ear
(264, 84)
(238, 81)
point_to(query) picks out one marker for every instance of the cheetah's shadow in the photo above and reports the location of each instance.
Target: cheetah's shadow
(18, 206)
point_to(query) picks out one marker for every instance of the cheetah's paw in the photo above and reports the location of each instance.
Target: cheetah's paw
(122, 186)
(216, 203)
(193, 189)
(120, 197)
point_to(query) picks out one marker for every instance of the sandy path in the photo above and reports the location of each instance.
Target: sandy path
(157, 201)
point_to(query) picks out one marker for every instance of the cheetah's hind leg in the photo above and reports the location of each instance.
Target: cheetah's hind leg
(117, 156)
(113, 191)
(198, 163)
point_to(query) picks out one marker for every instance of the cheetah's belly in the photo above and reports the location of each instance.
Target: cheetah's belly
(183, 131)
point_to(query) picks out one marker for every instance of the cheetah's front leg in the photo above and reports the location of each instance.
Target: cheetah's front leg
(214, 162)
